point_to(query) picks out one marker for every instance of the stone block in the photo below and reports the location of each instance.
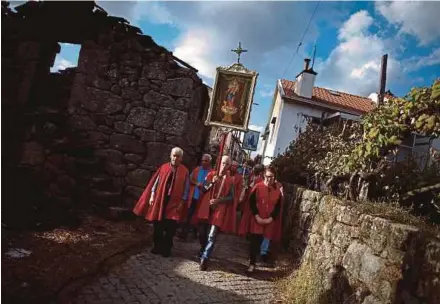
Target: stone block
(180, 87)
(138, 177)
(162, 100)
(126, 143)
(155, 70)
(131, 94)
(374, 232)
(134, 158)
(32, 154)
(123, 127)
(157, 154)
(111, 155)
(170, 121)
(115, 169)
(400, 235)
(82, 122)
(141, 117)
(145, 135)
(342, 235)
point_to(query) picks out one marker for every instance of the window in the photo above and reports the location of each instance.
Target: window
(66, 58)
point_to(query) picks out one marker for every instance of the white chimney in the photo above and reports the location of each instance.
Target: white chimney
(305, 81)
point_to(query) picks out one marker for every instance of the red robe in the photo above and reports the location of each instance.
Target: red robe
(253, 181)
(224, 214)
(173, 209)
(192, 188)
(266, 202)
(238, 183)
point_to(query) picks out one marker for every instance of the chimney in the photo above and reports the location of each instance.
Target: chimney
(306, 64)
(305, 81)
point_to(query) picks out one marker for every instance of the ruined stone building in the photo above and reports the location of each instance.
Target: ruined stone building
(91, 134)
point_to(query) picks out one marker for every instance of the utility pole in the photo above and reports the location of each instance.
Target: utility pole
(383, 79)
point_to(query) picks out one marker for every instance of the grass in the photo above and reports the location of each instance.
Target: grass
(304, 286)
(394, 212)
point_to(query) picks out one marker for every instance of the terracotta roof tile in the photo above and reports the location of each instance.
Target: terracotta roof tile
(330, 97)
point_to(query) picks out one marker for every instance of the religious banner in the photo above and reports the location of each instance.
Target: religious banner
(250, 140)
(232, 97)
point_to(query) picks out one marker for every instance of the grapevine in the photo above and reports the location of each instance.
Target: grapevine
(354, 159)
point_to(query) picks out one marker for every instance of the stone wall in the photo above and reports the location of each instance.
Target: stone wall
(90, 135)
(383, 261)
(132, 103)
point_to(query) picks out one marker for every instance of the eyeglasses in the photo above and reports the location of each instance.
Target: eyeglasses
(269, 176)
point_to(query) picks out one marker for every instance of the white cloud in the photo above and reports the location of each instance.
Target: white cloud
(354, 65)
(417, 62)
(195, 47)
(135, 11)
(419, 18)
(61, 64)
(357, 24)
(209, 30)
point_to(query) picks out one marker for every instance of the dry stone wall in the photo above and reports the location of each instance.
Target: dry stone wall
(90, 135)
(133, 103)
(383, 261)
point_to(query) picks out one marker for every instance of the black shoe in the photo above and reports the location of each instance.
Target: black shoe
(203, 265)
(251, 268)
(166, 251)
(156, 250)
(265, 258)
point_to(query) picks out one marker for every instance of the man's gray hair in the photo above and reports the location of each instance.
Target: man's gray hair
(177, 150)
(208, 156)
(226, 157)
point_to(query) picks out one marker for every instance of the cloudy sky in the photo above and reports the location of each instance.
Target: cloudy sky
(350, 39)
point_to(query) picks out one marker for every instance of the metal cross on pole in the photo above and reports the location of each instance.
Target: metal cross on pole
(238, 51)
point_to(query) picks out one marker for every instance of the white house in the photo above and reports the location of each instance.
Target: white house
(294, 102)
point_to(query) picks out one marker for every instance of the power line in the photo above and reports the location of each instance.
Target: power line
(302, 38)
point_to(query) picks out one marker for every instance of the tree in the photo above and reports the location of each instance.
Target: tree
(354, 159)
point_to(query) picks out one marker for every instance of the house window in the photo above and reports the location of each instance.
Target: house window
(274, 125)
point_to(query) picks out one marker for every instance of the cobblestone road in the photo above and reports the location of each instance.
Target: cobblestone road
(147, 278)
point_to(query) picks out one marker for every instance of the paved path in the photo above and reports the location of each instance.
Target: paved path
(147, 278)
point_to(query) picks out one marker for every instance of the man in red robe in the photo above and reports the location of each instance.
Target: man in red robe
(163, 201)
(262, 219)
(217, 210)
(197, 178)
(238, 180)
(255, 177)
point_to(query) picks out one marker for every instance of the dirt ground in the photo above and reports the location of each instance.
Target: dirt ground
(61, 256)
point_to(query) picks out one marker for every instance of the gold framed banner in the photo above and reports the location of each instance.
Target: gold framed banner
(232, 97)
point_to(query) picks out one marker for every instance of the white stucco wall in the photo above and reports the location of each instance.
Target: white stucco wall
(304, 85)
(291, 116)
(291, 122)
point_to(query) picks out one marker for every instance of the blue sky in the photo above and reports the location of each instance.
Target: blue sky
(350, 38)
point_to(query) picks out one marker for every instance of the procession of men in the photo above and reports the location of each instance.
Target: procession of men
(208, 200)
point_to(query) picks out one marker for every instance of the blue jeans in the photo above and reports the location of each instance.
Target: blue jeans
(213, 231)
(264, 249)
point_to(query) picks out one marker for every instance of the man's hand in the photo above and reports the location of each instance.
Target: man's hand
(215, 179)
(213, 202)
(259, 220)
(151, 199)
(263, 221)
(268, 220)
